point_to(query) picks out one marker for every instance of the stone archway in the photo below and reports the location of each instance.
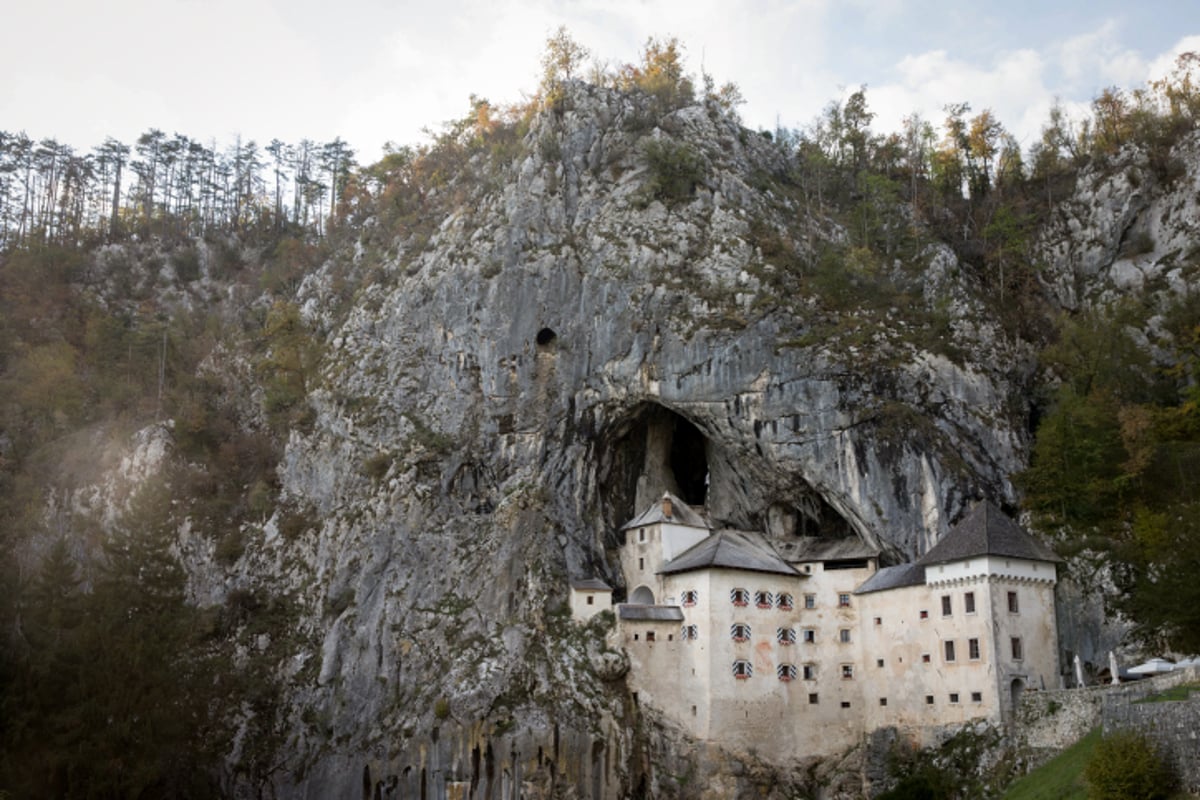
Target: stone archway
(1016, 689)
(642, 596)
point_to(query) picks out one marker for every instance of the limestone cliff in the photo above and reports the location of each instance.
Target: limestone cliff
(499, 397)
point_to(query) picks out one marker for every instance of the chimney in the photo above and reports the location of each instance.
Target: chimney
(666, 506)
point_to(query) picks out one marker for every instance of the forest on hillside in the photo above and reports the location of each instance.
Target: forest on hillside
(155, 282)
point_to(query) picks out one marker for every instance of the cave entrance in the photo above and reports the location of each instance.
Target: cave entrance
(651, 450)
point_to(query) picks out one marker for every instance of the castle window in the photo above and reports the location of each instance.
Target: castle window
(879, 662)
(689, 632)
(1013, 606)
(649, 636)
(783, 601)
(847, 671)
(786, 672)
(924, 614)
(925, 659)
(879, 620)
(973, 649)
(949, 649)
(845, 704)
(813, 699)
(739, 597)
(689, 598)
(843, 601)
(641, 563)
(763, 599)
(810, 636)
(1017, 650)
(739, 632)
(928, 699)
(591, 600)
(810, 601)
(883, 701)
(786, 635)
(844, 635)
(641, 534)
(945, 605)
(969, 602)
(976, 697)
(954, 697)
(742, 670)
(810, 672)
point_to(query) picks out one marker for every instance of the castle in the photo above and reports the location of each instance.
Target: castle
(800, 647)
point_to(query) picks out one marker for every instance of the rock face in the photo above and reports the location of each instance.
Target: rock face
(568, 343)
(564, 347)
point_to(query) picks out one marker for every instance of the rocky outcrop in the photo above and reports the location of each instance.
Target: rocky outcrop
(567, 342)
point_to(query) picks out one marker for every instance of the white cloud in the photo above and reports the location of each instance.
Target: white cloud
(1097, 57)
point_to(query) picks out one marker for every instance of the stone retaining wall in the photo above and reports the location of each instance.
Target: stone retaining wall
(1174, 725)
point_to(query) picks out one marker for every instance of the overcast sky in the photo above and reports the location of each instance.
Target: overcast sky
(371, 71)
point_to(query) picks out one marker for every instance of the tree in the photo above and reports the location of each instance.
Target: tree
(560, 63)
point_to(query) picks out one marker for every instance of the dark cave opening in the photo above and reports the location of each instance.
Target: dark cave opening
(545, 337)
(689, 461)
(648, 451)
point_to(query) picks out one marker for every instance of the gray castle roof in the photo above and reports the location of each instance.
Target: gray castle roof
(987, 531)
(681, 514)
(633, 611)
(731, 550)
(893, 578)
(590, 584)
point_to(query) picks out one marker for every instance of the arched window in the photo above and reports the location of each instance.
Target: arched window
(786, 672)
(784, 602)
(742, 670)
(689, 598)
(763, 599)
(642, 596)
(740, 597)
(785, 635)
(739, 632)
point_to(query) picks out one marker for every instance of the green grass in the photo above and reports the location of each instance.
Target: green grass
(1061, 778)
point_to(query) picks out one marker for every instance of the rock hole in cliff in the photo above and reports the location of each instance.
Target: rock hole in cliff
(545, 338)
(646, 451)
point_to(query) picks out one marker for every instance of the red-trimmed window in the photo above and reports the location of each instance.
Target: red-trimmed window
(742, 670)
(785, 635)
(739, 632)
(786, 672)
(764, 599)
(689, 597)
(784, 601)
(739, 597)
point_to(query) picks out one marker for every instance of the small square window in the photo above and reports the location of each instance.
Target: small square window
(879, 620)
(591, 601)
(813, 699)
(845, 704)
(883, 701)
(928, 699)
(954, 697)
(847, 671)
(649, 636)
(843, 601)
(810, 636)
(924, 614)
(969, 602)
(879, 662)
(925, 658)
(810, 601)
(976, 697)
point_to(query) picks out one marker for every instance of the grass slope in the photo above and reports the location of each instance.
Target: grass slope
(1061, 778)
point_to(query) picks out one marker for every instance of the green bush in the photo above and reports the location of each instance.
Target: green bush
(675, 169)
(1126, 766)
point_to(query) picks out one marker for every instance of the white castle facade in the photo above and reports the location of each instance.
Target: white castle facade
(799, 648)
